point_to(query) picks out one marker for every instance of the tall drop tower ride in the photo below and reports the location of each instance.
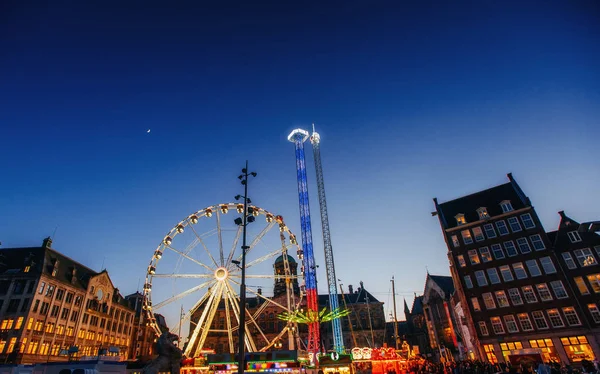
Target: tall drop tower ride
(338, 339)
(298, 137)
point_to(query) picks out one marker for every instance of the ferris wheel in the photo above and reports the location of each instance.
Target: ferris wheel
(193, 281)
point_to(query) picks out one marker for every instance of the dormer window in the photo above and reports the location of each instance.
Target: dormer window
(460, 219)
(506, 206)
(483, 214)
(26, 269)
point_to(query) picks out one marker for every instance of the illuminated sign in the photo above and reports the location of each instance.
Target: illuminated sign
(374, 354)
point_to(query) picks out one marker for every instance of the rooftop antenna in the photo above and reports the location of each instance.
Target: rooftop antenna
(54, 233)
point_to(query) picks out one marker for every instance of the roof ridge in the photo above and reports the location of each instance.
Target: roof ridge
(475, 193)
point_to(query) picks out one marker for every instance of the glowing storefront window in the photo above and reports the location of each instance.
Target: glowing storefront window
(547, 347)
(489, 352)
(511, 346)
(577, 348)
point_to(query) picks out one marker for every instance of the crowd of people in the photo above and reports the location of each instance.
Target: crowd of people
(479, 367)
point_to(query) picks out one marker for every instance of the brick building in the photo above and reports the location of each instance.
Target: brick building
(52, 306)
(143, 336)
(509, 273)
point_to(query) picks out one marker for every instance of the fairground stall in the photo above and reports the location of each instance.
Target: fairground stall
(196, 365)
(377, 361)
(335, 363)
(259, 362)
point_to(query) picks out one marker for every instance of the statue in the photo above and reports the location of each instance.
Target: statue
(169, 355)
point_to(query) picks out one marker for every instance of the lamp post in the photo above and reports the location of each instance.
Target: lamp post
(246, 218)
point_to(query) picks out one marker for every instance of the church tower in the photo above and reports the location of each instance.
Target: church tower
(279, 269)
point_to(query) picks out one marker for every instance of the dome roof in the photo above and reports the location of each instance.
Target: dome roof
(280, 259)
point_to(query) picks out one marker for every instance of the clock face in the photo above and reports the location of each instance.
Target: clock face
(100, 294)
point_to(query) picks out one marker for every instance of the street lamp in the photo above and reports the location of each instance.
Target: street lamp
(243, 221)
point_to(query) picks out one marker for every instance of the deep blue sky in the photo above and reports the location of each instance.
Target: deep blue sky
(413, 100)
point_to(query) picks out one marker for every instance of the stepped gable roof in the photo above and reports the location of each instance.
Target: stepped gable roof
(444, 282)
(417, 307)
(489, 198)
(42, 260)
(587, 232)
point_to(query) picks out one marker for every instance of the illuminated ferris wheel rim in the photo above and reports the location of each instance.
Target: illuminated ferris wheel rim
(223, 268)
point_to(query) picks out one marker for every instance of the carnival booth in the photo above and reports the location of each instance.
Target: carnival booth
(196, 365)
(335, 363)
(259, 362)
(377, 361)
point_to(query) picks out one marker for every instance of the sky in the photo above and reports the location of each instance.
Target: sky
(413, 100)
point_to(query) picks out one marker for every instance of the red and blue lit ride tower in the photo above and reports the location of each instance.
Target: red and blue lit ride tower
(298, 137)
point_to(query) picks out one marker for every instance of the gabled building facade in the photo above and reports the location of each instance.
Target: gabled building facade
(439, 314)
(53, 308)
(508, 277)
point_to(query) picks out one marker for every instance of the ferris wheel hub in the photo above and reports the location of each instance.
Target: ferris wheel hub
(221, 274)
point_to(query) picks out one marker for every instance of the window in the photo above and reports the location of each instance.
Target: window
(523, 245)
(571, 316)
(502, 299)
(489, 352)
(482, 212)
(483, 328)
(69, 298)
(481, 279)
(13, 306)
(489, 230)
(534, 269)
(569, 260)
(475, 303)
(519, 270)
(529, 294)
(41, 289)
(473, 257)
(539, 319)
(594, 280)
(593, 308)
(486, 256)
(506, 273)
(515, 296)
(577, 348)
(514, 224)
(559, 289)
(478, 234)
(501, 226)
(50, 291)
(544, 292)
(455, 241)
(497, 251)
(525, 322)
(55, 310)
(60, 294)
(511, 323)
(547, 265)
(497, 326)
(538, 243)
(461, 261)
(493, 275)
(466, 235)
(555, 319)
(64, 314)
(581, 285)
(488, 300)
(527, 221)
(44, 308)
(511, 250)
(460, 219)
(585, 257)
(574, 236)
(18, 324)
(468, 281)
(597, 249)
(506, 206)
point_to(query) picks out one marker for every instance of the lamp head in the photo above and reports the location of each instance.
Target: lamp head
(238, 221)
(253, 174)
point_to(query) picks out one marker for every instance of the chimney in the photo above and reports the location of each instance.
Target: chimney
(47, 243)
(350, 289)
